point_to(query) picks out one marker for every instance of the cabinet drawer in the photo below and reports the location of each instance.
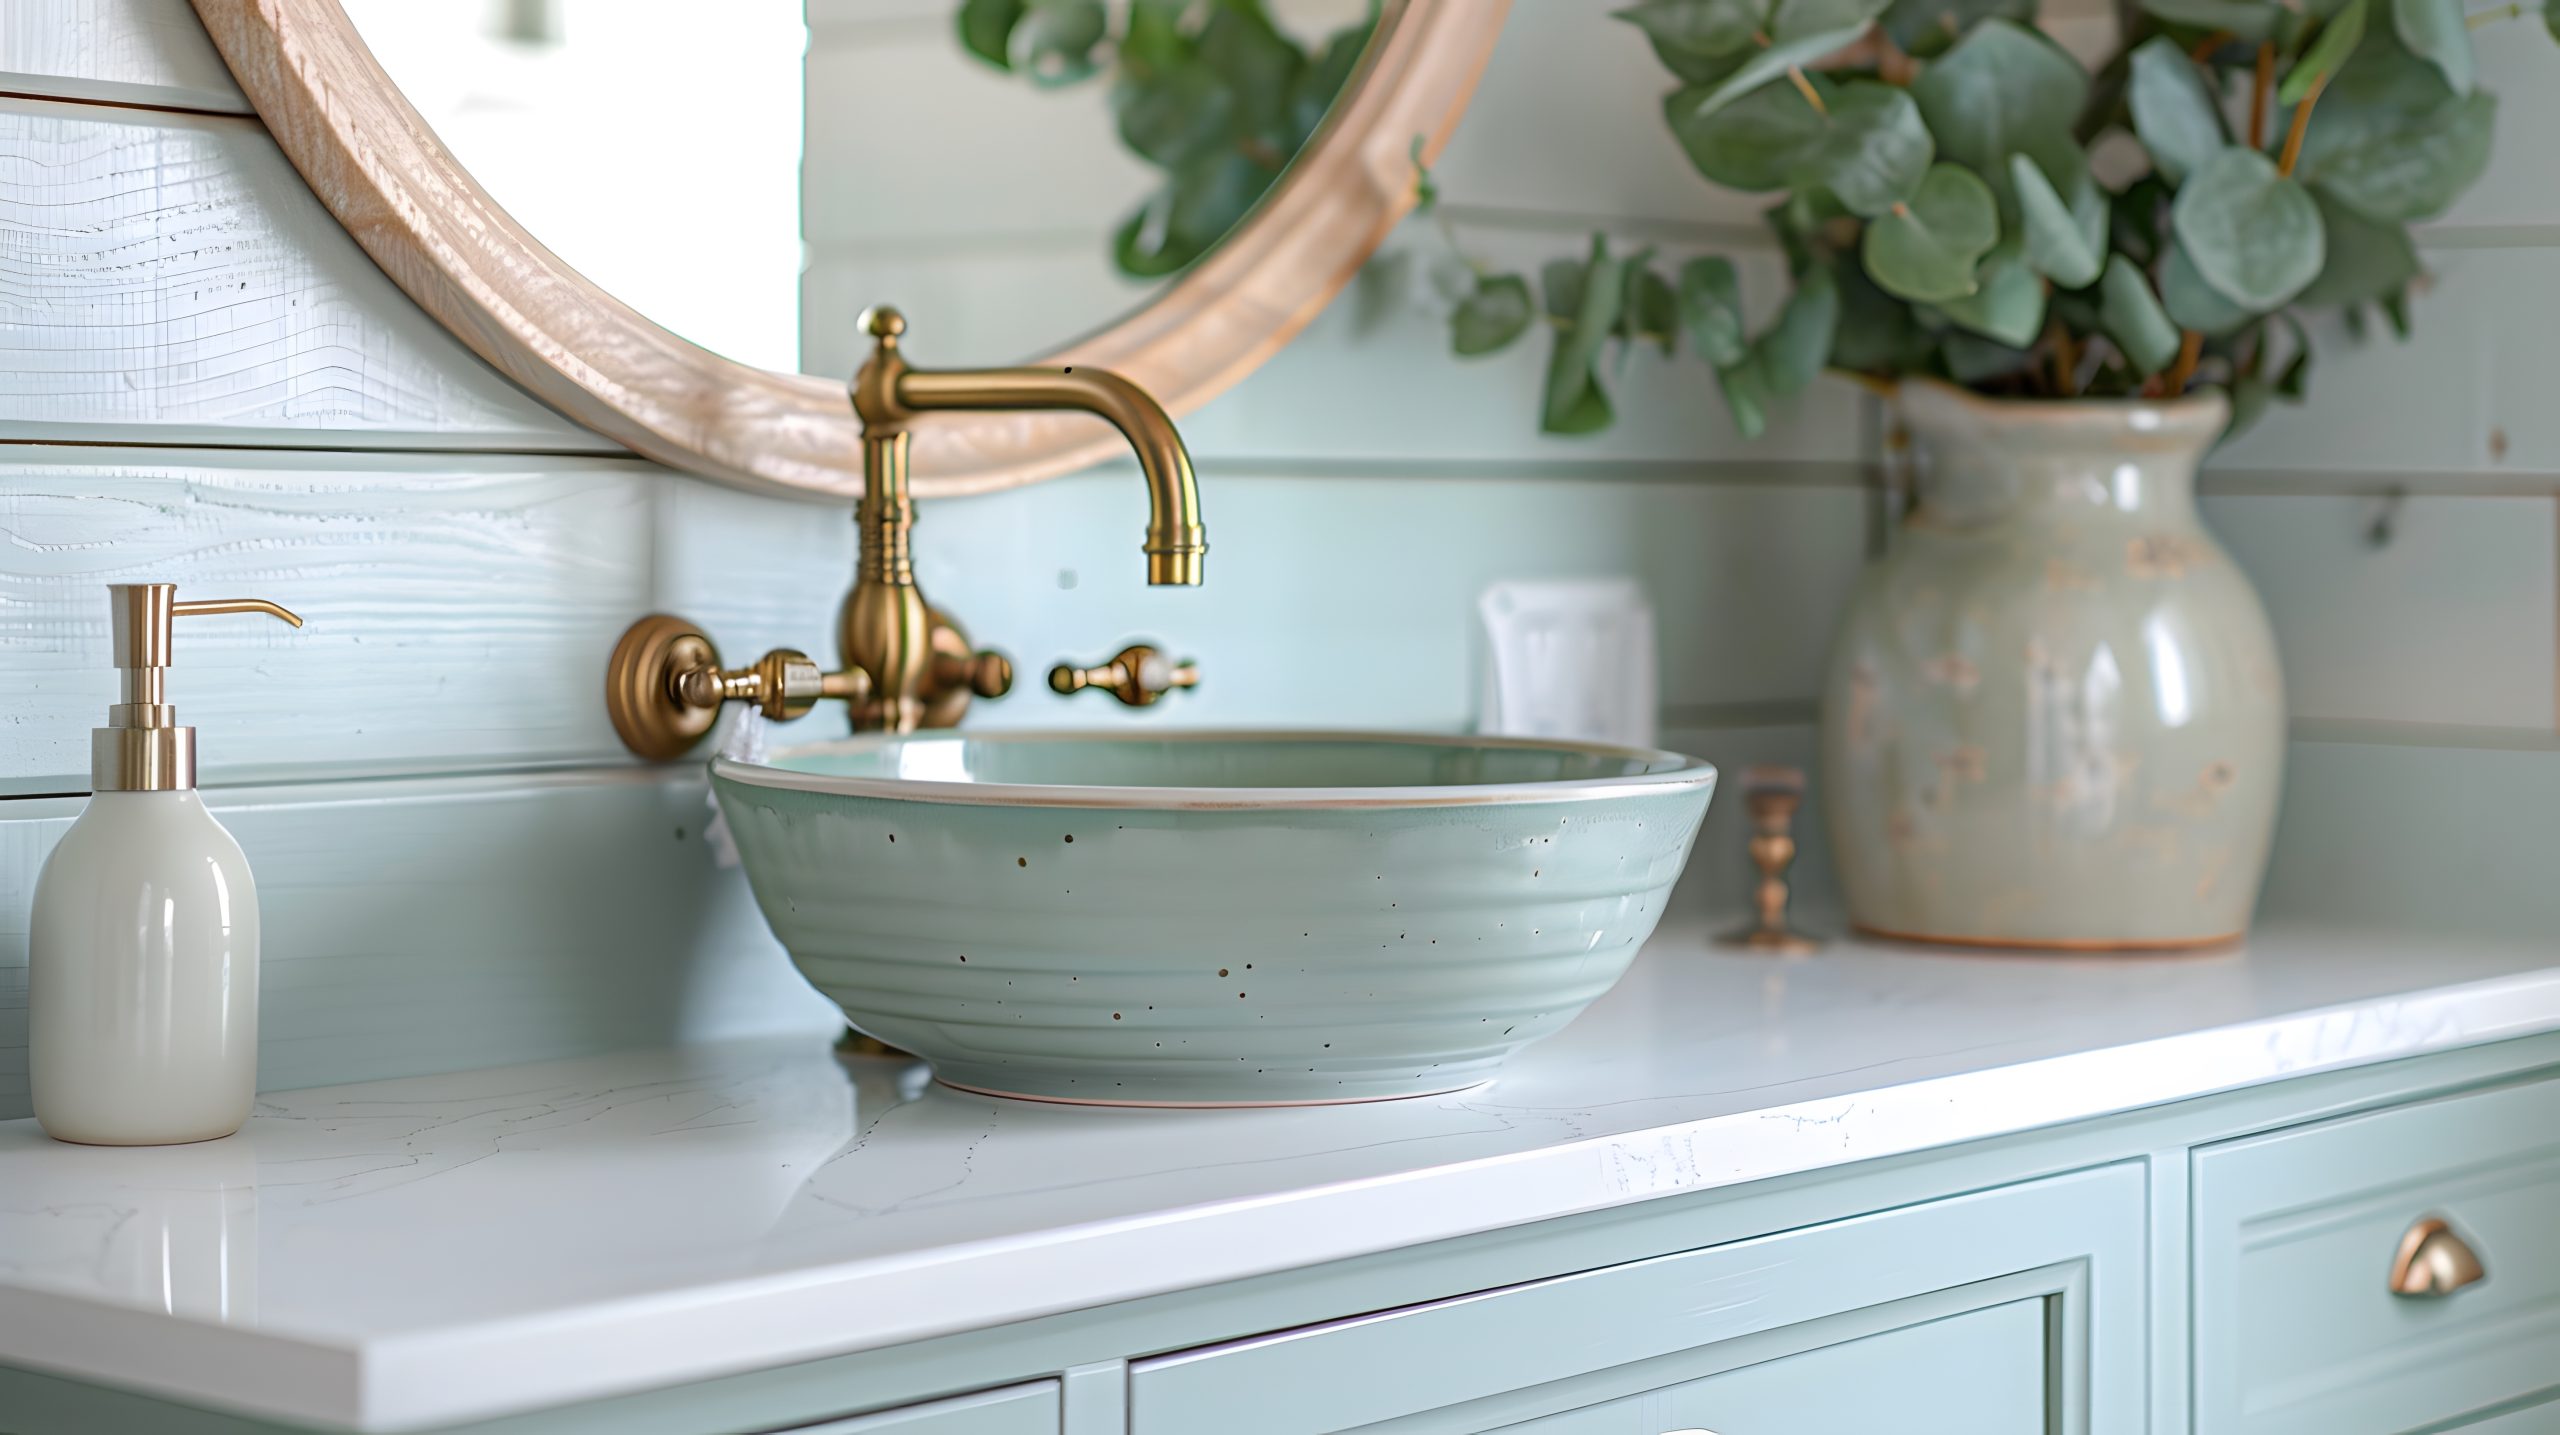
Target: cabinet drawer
(2039, 1285)
(2296, 1327)
(1982, 1373)
(1030, 1409)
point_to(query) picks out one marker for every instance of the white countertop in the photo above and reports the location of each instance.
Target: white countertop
(401, 1254)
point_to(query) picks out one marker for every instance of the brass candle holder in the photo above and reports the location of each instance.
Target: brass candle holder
(1771, 796)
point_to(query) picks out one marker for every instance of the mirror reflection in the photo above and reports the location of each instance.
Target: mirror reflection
(1013, 174)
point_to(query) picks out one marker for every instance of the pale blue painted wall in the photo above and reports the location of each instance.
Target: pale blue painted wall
(277, 418)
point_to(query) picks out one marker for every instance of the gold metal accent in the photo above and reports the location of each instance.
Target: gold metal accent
(2433, 1262)
(863, 1043)
(907, 665)
(142, 748)
(1771, 795)
(888, 393)
(1137, 676)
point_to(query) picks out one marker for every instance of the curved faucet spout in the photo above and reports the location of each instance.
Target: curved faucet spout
(888, 392)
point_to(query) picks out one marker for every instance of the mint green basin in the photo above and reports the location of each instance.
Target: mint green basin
(1212, 918)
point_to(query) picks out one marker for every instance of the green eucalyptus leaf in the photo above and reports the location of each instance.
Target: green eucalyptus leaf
(1575, 402)
(1804, 225)
(986, 29)
(1321, 81)
(2328, 54)
(2007, 302)
(2295, 380)
(2250, 397)
(2368, 258)
(1878, 333)
(1973, 359)
(1649, 310)
(2437, 32)
(1866, 147)
(1056, 41)
(2251, 20)
(1799, 343)
(2252, 233)
(2194, 304)
(2065, 240)
(1153, 39)
(1173, 115)
(2139, 217)
(1926, 249)
(1800, 32)
(2395, 308)
(2134, 319)
(2004, 90)
(2173, 113)
(1696, 31)
(1259, 64)
(1750, 144)
(1200, 201)
(2390, 140)
(1498, 311)
(1872, 149)
(1746, 394)
(1927, 27)
(1711, 310)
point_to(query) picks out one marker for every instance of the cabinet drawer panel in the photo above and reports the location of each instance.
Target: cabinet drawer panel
(1981, 1373)
(2296, 1327)
(1015, 1410)
(1580, 1340)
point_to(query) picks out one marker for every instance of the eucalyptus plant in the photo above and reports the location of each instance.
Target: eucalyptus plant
(1211, 92)
(1958, 197)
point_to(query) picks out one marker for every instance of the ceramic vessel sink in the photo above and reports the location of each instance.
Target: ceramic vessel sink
(1212, 918)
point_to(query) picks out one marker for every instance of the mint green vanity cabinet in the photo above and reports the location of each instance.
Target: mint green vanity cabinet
(2034, 1291)
(2296, 1331)
(1030, 1409)
(1980, 1373)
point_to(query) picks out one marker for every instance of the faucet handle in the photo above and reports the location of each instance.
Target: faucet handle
(664, 686)
(1137, 676)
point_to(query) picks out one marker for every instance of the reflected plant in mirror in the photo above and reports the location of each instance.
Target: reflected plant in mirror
(1959, 198)
(1214, 93)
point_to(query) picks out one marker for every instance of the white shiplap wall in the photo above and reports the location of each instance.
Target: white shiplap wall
(209, 383)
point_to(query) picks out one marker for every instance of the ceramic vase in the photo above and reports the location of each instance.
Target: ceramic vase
(2054, 716)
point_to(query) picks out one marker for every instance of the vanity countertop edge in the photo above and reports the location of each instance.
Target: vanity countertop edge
(397, 1255)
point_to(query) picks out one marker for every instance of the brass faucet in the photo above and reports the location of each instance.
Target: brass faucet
(906, 665)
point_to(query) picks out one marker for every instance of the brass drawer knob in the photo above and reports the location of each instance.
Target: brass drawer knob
(1137, 676)
(2433, 1262)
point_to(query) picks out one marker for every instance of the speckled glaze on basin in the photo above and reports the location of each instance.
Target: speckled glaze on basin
(1212, 918)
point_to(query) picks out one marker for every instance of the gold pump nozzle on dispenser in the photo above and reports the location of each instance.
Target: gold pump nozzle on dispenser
(142, 748)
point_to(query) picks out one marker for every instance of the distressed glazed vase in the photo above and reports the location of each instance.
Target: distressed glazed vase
(2054, 716)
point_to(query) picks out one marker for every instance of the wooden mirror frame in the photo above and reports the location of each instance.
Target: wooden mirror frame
(438, 234)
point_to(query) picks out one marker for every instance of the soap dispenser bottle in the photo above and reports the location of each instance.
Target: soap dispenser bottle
(142, 975)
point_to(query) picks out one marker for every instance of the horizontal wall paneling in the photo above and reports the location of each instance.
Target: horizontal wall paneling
(171, 280)
(132, 52)
(459, 608)
(441, 924)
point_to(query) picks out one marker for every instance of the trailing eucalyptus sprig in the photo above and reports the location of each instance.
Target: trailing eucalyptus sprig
(1209, 91)
(1943, 213)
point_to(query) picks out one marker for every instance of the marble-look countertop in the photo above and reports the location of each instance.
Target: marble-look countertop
(402, 1254)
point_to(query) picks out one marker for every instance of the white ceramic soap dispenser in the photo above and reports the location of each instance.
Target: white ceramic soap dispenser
(142, 976)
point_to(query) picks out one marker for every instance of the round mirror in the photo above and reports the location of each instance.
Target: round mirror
(664, 223)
